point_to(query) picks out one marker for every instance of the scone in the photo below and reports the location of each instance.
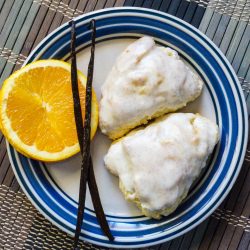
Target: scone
(146, 81)
(157, 165)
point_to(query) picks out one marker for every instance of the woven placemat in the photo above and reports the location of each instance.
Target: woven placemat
(24, 23)
(22, 227)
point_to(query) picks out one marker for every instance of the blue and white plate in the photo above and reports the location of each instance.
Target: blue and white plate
(53, 188)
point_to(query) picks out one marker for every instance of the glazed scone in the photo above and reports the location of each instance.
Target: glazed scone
(146, 81)
(157, 165)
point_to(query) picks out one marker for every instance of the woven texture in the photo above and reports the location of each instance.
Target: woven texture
(22, 227)
(24, 23)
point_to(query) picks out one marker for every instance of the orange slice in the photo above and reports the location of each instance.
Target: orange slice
(36, 110)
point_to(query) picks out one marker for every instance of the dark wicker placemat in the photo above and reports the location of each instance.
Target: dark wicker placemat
(22, 227)
(24, 23)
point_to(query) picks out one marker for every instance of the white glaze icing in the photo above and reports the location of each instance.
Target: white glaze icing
(157, 165)
(146, 81)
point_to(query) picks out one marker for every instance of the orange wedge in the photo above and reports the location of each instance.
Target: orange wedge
(36, 110)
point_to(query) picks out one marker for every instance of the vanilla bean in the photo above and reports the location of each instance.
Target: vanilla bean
(97, 203)
(83, 132)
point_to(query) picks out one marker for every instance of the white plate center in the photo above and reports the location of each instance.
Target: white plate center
(66, 174)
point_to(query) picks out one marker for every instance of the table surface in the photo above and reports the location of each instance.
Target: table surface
(24, 23)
